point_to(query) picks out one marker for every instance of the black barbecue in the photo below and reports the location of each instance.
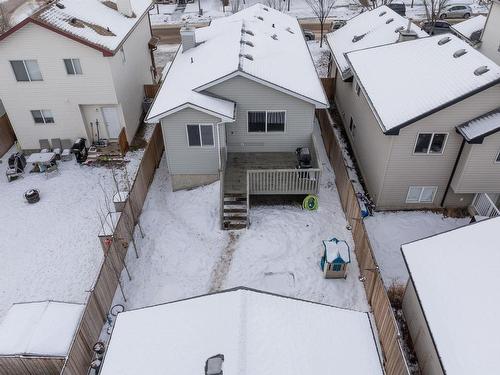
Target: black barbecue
(304, 160)
(80, 150)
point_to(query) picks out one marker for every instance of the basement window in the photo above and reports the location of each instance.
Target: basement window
(430, 143)
(421, 194)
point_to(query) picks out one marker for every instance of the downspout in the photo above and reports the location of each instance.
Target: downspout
(219, 149)
(453, 172)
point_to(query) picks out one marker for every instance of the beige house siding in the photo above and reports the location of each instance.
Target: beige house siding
(428, 359)
(371, 147)
(253, 96)
(181, 158)
(59, 92)
(478, 171)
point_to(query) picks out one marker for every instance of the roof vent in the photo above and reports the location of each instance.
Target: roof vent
(274, 36)
(389, 20)
(60, 6)
(73, 20)
(382, 13)
(459, 53)
(481, 70)
(260, 18)
(444, 40)
(273, 25)
(358, 37)
(266, 9)
(213, 365)
(290, 30)
(248, 43)
(249, 32)
(400, 28)
(247, 56)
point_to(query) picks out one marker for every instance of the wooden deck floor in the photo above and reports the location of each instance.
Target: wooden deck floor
(235, 180)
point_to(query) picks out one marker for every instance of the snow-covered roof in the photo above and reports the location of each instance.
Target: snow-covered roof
(471, 28)
(480, 127)
(257, 333)
(368, 29)
(39, 328)
(458, 296)
(259, 43)
(96, 22)
(336, 249)
(405, 82)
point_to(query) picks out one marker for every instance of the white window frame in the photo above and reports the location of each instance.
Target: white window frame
(497, 158)
(266, 111)
(43, 117)
(201, 138)
(73, 66)
(435, 188)
(430, 143)
(27, 70)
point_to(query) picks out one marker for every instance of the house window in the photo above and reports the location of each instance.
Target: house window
(42, 116)
(26, 70)
(497, 160)
(266, 121)
(430, 143)
(73, 66)
(200, 135)
(421, 194)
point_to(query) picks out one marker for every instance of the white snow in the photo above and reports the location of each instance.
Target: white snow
(39, 328)
(220, 53)
(320, 56)
(368, 29)
(470, 26)
(257, 333)
(184, 252)
(481, 126)
(389, 230)
(427, 79)
(335, 250)
(460, 297)
(93, 12)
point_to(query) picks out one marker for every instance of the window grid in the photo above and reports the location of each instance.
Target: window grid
(272, 121)
(73, 66)
(30, 70)
(200, 135)
(421, 194)
(42, 116)
(427, 141)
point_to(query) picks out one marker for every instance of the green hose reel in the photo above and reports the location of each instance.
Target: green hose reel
(310, 203)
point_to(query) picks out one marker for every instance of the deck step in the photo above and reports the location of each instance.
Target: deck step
(234, 206)
(235, 210)
(235, 203)
(230, 226)
(235, 218)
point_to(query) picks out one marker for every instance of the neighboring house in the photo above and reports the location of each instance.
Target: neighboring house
(402, 108)
(490, 39)
(7, 137)
(451, 308)
(242, 331)
(75, 63)
(470, 30)
(237, 101)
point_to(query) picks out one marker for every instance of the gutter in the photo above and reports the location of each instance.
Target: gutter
(453, 172)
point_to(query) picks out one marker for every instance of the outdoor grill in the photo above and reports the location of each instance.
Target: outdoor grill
(304, 160)
(80, 150)
(32, 196)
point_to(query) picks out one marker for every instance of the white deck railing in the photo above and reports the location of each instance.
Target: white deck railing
(484, 206)
(283, 181)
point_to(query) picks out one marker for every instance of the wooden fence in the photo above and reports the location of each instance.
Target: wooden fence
(105, 286)
(329, 87)
(393, 357)
(7, 136)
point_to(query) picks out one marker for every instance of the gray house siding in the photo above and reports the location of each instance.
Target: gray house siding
(253, 96)
(388, 164)
(371, 147)
(185, 160)
(478, 171)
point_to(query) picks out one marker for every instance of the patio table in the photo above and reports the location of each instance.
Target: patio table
(41, 160)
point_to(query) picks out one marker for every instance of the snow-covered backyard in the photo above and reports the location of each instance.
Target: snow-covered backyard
(184, 252)
(50, 250)
(389, 230)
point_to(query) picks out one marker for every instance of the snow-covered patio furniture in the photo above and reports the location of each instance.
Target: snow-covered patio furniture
(41, 160)
(66, 145)
(44, 145)
(336, 257)
(56, 147)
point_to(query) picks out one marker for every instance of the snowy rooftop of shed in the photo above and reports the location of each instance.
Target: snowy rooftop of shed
(259, 43)
(481, 126)
(335, 250)
(468, 27)
(39, 328)
(405, 82)
(94, 21)
(459, 298)
(368, 29)
(257, 333)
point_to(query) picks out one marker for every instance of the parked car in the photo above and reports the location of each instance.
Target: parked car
(337, 25)
(399, 8)
(309, 35)
(436, 28)
(456, 11)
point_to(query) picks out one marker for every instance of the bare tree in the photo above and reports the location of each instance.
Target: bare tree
(277, 4)
(321, 9)
(235, 6)
(4, 19)
(433, 10)
(372, 4)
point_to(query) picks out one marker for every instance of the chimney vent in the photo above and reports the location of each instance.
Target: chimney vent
(125, 8)
(406, 34)
(188, 37)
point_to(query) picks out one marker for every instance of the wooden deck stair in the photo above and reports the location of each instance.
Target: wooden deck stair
(235, 214)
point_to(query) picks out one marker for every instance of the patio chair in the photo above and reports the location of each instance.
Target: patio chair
(44, 145)
(66, 154)
(51, 170)
(56, 147)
